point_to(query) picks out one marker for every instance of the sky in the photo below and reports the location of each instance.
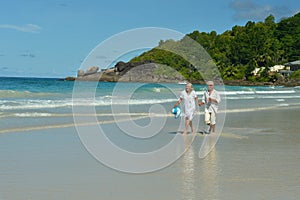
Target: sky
(51, 38)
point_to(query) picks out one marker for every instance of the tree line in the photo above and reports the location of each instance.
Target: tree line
(237, 52)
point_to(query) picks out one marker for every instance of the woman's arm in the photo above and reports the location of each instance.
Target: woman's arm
(197, 100)
(200, 103)
(178, 102)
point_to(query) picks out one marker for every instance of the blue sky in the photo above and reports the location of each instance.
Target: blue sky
(50, 38)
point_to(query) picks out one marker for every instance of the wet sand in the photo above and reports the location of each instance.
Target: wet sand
(256, 157)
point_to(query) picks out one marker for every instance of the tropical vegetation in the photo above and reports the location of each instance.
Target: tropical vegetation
(237, 52)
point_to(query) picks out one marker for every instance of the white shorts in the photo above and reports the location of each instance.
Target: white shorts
(210, 118)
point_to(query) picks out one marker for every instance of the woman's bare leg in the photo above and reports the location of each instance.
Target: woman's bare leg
(191, 125)
(187, 122)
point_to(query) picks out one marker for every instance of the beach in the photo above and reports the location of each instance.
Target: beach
(257, 155)
(259, 160)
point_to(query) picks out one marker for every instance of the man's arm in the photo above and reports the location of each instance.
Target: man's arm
(216, 100)
(213, 100)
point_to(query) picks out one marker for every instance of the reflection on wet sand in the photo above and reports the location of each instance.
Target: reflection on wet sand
(200, 177)
(188, 175)
(209, 176)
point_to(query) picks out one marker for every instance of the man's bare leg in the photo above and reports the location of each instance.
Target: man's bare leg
(212, 128)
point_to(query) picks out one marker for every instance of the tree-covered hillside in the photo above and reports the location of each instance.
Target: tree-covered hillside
(237, 52)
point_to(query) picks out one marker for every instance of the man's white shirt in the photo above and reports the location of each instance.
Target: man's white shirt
(211, 106)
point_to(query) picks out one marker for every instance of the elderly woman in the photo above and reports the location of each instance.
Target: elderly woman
(189, 98)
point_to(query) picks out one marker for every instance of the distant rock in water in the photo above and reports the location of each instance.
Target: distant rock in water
(146, 71)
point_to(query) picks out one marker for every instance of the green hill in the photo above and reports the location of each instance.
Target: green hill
(237, 52)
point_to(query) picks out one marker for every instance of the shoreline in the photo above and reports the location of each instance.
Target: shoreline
(293, 83)
(290, 83)
(141, 116)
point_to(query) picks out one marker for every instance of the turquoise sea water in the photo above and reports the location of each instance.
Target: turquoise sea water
(33, 97)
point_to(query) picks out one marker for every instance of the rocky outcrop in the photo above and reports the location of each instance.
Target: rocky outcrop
(80, 73)
(91, 70)
(151, 72)
(147, 71)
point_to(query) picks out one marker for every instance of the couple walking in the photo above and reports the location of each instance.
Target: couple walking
(210, 99)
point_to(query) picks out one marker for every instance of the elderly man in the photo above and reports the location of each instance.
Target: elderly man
(211, 99)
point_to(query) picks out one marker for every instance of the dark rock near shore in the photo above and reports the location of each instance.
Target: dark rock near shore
(69, 78)
(287, 83)
(292, 82)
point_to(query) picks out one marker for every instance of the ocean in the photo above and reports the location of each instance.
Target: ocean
(42, 157)
(45, 97)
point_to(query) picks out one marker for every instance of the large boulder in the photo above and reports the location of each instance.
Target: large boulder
(121, 66)
(91, 70)
(90, 77)
(80, 73)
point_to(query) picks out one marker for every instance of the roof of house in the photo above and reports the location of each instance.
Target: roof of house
(297, 62)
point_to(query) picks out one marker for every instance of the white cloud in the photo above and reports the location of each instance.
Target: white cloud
(249, 10)
(30, 28)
